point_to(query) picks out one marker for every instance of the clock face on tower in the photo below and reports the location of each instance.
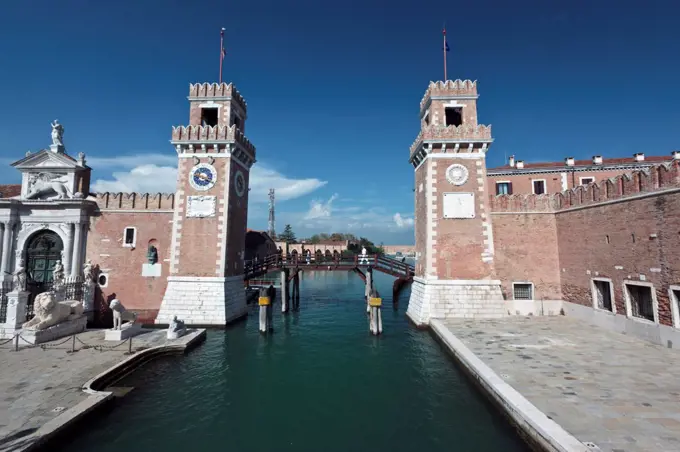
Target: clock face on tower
(203, 177)
(239, 183)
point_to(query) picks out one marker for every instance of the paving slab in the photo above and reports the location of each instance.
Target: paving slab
(606, 388)
(39, 383)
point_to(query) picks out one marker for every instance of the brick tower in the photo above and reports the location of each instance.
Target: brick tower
(205, 285)
(455, 275)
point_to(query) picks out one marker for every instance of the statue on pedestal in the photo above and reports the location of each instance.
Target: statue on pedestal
(19, 277)
(120, 314)
(58, 275)
(152, 255)
(176, 329)
(57, 133)
(88, 271)
(49, 312)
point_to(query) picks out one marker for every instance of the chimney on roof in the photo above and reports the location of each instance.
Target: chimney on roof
(569, 161)
(676, 155)
(519, 164)
(511, 161)
(639, 157)
(597, 160)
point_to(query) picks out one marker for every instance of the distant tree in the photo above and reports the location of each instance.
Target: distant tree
(287, 235)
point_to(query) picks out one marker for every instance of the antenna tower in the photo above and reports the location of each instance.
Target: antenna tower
(272, 229)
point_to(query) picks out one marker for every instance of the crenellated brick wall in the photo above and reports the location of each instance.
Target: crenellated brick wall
(623, 230)
(135, 201)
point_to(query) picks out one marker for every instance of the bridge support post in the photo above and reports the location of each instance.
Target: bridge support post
(369, 288)
(296, 289)
(284, 290)
(375, 316)
(265, 303)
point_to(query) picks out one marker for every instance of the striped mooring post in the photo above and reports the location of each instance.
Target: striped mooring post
(375, 316)
(265, 308)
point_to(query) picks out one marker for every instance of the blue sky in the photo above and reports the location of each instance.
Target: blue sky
(333, 89)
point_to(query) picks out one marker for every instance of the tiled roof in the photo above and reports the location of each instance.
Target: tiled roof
(10, 190)
(649, 160)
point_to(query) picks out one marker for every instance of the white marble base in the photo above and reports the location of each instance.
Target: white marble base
(16, 314)
(444, 299)
(203, 301)
(534, 307)
(176, 334)
(57, 331)
(127, 330)
(151, 270)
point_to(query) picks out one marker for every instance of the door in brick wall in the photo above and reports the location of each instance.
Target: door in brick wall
(42, 253)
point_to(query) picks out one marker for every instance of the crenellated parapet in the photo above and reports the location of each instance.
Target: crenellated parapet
(656, 178)
(452, 134)
(208, 138)
(450, 89)
(216, 91)
(135, 201)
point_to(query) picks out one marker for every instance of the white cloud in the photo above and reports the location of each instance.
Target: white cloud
(318, 209)
(141, 179)
(262, 178)
(402, 222)
(155, 173)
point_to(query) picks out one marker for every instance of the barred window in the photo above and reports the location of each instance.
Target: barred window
(522, 291)
(641, 302)
(603, 294)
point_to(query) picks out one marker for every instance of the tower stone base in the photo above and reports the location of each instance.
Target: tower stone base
(457, 298)
(203, 301)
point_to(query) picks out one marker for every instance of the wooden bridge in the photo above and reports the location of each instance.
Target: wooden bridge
(255, 269)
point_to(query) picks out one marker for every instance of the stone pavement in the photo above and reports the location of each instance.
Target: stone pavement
(620, 393)
(37, 385)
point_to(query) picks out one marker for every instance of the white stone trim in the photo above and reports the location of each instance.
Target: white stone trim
(593, 294)
(105, 275)
(629, 308)
(205, 278)
(545, 186)
(565, 182)
(134, 237)
(674, 304)
(458, 282)
(429, 267)
(176, 234)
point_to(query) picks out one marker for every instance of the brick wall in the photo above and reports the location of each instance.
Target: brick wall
(237, 219)
(623, 229)
(123, 265)
(420, 223)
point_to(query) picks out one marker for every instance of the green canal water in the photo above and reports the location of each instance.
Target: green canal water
(319, 383)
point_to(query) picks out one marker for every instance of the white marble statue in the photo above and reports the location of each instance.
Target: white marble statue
(363, 259)
(120, 314)
(58, 274)
(44, 184)
(49, 312)
(19, 277)
(176, 329)
(57, 133)
(88, 271)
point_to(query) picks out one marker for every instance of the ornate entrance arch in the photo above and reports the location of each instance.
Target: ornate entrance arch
(43, 250)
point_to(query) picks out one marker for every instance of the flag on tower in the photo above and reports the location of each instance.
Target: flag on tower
(445, 49)
(223, 52)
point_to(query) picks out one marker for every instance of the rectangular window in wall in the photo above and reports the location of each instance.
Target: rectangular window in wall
(641, 302)
(603, 294)
(129, 237)
(586, 180)
(522, 291)
(539, 187)
(503, 188)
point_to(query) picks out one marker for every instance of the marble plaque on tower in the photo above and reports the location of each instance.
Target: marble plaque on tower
(459, 205)
(200, 206)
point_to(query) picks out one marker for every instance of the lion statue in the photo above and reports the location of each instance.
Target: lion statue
(120, 314)
(49, 312)
(46, 184)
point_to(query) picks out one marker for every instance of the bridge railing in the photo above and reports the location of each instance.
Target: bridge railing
(394, 266)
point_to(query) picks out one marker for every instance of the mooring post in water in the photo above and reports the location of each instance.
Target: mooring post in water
(265, 306)
(296, 288)
(369, 287)
(284, 290)
(375, 317)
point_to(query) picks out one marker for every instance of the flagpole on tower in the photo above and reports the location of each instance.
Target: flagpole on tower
(222, 52)
(446, 49)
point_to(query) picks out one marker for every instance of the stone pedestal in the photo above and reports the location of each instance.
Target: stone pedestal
(127, 330)
(457, 298)
(177, 333)
(203, 301)
(88, 300)
(151, 270)
(57, 331)
(16, 314)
